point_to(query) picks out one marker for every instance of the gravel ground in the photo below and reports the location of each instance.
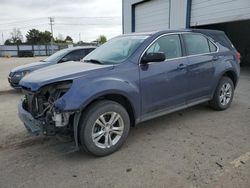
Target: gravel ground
(196, 147)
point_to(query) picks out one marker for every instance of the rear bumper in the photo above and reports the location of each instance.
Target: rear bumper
(32, 125)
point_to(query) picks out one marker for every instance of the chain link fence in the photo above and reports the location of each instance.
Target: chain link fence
(28, 50)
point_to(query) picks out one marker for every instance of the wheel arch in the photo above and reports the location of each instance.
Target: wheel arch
(232, 75)
(116, 97)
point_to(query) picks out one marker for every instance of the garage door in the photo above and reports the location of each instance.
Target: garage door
(152, 15)
(204, 12)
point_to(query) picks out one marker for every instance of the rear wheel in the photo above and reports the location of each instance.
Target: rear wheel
(223, 95)
(104, 128)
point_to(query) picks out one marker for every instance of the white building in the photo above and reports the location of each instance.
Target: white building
(231, 16)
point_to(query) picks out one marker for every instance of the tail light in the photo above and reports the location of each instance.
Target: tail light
(238, 56)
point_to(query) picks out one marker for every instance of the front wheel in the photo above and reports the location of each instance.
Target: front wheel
(223, 95)
(104, 128)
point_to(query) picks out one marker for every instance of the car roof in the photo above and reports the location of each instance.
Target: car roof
(80, 47)
(174, 31)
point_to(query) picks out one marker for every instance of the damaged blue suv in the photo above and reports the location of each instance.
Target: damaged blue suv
(130, 79)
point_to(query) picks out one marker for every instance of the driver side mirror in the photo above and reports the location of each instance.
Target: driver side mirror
(153, 57)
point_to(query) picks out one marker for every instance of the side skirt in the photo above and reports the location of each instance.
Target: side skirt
(170, 110)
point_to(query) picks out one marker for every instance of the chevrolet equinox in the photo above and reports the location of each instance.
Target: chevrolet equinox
(130, 79)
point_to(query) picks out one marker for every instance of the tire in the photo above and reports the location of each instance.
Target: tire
(97, 135)
(223, 95)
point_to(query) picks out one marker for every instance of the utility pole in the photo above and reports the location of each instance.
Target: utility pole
(79, 37)
(2, 38)
(51, 21)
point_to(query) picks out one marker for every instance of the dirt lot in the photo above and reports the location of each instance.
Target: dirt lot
(196, 147)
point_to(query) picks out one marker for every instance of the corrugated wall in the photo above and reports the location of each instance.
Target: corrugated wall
(152, 16)
(205, 12)
(127, 14)
(177, 14)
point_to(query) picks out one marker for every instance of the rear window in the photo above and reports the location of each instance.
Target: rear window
(224, 40)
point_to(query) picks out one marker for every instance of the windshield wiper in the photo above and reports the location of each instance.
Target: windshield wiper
(93, 61)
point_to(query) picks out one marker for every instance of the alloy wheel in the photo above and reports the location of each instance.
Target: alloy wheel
(225, 94)
(107, 130)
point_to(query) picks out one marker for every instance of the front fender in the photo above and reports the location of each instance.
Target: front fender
(84, 92)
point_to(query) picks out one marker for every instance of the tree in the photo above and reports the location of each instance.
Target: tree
(16, 36)
(7, 42)
(33, 36)
(45, 37)
(102, 39)
(68, 39)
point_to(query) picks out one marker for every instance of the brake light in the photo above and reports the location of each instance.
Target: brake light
(238, 56)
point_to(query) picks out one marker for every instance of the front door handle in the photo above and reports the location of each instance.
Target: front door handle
(182, 66)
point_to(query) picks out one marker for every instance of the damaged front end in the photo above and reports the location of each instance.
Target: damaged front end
(38, 112)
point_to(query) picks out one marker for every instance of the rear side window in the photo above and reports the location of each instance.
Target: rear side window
(90, 50)
(76, 55)
(196, 44)
(224, 40)
(212, 47)
(170, 45)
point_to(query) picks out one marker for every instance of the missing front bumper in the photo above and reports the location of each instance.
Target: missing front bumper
(37, 127)
(33, 125)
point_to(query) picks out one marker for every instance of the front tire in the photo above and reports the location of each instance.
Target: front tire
(104, 127)
(223, 95)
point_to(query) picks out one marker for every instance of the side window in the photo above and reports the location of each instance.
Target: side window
(212, 47)
(170, 45)
(76, 55)
(196, 44)
(90, 50)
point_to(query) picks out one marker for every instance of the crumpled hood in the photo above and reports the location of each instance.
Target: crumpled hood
(60, 72)
(31, 66)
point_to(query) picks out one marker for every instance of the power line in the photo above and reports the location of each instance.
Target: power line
(30, 26)
(23, 20)
(86, 24)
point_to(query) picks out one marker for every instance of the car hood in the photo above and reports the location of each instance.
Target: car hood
(31, 66)
(60, 72)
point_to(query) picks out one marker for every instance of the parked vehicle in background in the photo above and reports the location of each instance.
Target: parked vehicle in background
(130, 79)
(68, 54)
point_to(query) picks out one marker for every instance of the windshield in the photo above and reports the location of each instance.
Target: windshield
(115, 50)
(56, 56)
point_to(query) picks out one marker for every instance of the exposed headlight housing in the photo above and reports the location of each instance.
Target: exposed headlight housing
(43, 101)
(20, 74)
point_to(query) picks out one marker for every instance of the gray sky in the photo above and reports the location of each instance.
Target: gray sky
(85, 19)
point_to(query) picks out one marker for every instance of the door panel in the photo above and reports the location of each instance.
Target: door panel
(200, 66)
(200, 77)
(163, 85)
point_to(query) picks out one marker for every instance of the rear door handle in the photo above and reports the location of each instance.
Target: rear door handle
(182, 66)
